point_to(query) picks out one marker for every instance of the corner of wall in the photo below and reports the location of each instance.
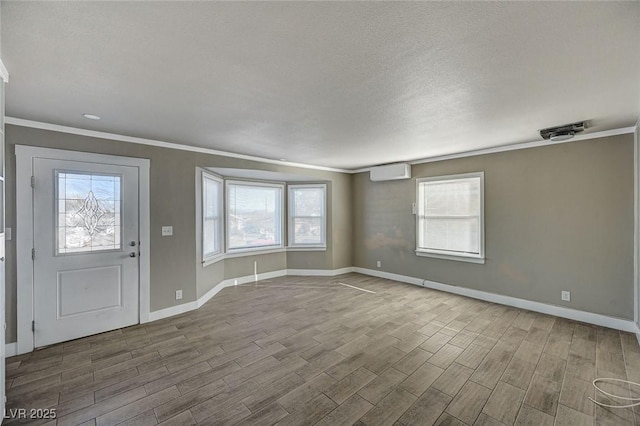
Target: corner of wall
(352, 210)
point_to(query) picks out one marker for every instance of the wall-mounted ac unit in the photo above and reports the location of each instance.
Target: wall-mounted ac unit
(390, 172)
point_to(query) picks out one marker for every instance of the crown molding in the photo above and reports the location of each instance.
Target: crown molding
(162, 144)
(152, 142)
(513, 147)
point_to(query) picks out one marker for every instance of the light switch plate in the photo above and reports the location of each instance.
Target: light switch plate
(167, 231)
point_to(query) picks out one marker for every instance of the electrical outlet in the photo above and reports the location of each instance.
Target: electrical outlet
(167, 231)
(379, 264)
(566, 296)
(178, 294)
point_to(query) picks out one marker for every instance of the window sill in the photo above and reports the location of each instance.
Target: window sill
(307, 248)
(253, 251)
(460, 258)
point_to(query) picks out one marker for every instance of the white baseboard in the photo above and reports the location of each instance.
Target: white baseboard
(172, 310)
(389, 276)
(263, 276)
(559, 311)
(190, 306)
(319, 272)
(10, 349)
(239, 281)
(588, 317)
(209, 295)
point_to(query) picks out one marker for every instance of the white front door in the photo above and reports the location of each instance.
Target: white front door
(86, 237)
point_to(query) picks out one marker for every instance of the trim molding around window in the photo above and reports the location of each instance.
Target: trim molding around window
(212, 202)
(307, 217)
(254, 216)
(450, 217)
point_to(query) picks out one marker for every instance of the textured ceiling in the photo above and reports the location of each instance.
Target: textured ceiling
(336, 84)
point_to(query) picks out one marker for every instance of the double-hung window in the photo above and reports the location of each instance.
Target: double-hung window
(254, 215)
(450, 217)
(307, 216)
(211, 216)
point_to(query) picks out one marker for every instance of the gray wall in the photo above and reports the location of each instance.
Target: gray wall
(174, 261)
(342, 229)
(556, 218)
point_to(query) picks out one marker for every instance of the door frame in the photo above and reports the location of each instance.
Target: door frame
(24, 231)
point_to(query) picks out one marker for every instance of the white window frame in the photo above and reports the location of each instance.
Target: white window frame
(207, 257)
(291, 217)
(446, 254)
(267, 248)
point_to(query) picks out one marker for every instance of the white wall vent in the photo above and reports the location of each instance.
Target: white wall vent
(390, 172)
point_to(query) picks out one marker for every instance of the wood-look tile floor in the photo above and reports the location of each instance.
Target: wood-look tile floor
(308, 350)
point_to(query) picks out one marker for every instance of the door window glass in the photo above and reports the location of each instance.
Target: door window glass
(88, 212)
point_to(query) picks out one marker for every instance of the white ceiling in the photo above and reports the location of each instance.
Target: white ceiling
(336, 84)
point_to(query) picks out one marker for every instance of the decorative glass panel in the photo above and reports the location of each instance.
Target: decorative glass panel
(88, 212)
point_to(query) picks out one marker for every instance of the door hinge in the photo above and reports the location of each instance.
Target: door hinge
(33, 326)
(33, 181)
(33, 254)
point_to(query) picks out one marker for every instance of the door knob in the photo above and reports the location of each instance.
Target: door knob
(132, 254)
(132, 243)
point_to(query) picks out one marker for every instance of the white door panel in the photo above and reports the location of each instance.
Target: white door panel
(81, 291)
(86, 249)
